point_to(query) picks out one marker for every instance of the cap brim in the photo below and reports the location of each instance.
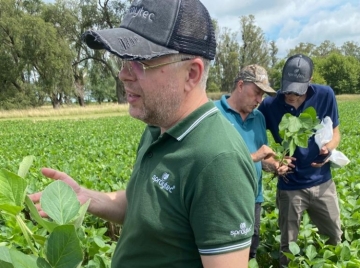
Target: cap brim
(125, 44)
(267, 89)
(295, 87)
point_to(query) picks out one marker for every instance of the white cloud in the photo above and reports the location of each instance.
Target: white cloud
(290, 22)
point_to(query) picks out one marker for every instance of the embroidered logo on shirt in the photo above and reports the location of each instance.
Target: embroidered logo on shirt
(243, 230)
(162, 182)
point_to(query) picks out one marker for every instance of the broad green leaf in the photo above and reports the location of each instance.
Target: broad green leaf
(5, 254)
(311, 252)
(301, 140)
(345, 253)
(14, 210)
(327, 254)
(348, 235)
(59, 201)
(289, 255)
(4, 264)
(306, 121)
(282, 133)
(39, 239)
(99, 242)
(18, 259)
(12, 192)
(284, 123)
(100, 262)
(352, 264)
(294, 124)
(63, 248)
(318, 263)
(292, 148)
(310, 111)
(294, 248)
(49, 226)
(25, 165)
(253, 263)
(80, 218)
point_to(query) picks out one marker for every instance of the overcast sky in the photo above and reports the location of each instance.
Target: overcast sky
(289, 22)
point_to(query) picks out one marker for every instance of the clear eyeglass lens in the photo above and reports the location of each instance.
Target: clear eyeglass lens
(133, 67)
(138, 68)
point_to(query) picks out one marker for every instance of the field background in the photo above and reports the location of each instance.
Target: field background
(97, 144)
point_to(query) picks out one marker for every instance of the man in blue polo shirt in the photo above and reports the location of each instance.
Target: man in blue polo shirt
(240, 109)
(309, 186)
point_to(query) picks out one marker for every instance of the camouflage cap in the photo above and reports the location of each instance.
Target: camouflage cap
(258, 75)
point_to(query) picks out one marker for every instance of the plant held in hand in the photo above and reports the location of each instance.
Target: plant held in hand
(295, 131)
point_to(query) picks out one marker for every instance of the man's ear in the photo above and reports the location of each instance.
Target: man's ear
(195, 71)
(239, 85)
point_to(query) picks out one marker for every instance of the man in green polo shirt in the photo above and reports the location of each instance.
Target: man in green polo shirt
(190, 199)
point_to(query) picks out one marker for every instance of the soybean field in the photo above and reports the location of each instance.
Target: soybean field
(99, 153)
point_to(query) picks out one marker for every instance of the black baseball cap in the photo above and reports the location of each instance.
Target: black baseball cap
(296, 75)
(154, 28)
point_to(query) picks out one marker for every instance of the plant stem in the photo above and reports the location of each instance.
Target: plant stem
(26, 231)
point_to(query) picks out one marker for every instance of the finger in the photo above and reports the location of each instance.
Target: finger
(324, 150)
(291, 165)
(269, 155)
(35, 197)
(54, 174)
(40, 211)
(316, 165)
(43, 214)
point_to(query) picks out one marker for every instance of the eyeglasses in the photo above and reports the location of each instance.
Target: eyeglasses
(293, 93)
(139, 68)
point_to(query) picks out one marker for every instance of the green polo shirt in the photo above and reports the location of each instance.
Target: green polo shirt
(191, 193)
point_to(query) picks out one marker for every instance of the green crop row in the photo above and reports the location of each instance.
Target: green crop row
(99, 153)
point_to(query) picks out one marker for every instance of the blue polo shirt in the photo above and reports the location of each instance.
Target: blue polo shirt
(252, 130)
(322, 98)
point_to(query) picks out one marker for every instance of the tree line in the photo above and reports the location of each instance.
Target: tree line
(43, 59)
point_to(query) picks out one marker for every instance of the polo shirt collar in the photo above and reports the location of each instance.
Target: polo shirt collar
(185, 126)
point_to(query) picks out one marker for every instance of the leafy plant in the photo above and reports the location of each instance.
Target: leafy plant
(296, 131)
(59, 246)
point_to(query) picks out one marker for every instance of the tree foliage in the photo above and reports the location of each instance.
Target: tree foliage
(227, 58)
(43, 58)
(341, 73)
(254, 48)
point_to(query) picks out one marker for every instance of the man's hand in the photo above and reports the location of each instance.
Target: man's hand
(323, 151)
(263, 153)
(57, 175)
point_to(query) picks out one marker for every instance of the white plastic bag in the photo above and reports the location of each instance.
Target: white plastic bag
(323, 136)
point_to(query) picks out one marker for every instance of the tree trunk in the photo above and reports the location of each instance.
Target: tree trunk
(120, 92)
(56, 100)
(81, 101)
